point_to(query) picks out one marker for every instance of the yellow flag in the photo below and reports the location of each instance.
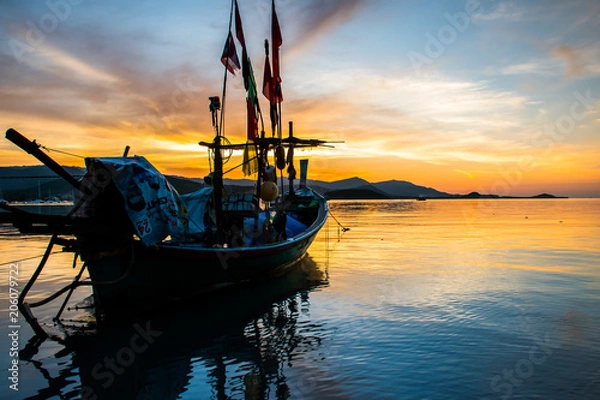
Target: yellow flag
(250, 161)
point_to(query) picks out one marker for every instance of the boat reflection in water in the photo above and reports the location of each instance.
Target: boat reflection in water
(233, 345)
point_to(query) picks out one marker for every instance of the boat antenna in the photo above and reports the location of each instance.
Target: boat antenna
(214, 107)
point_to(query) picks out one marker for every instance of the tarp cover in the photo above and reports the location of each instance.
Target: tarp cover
(197, 204)
(152, 204)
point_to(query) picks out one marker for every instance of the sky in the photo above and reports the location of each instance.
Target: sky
(491, 96)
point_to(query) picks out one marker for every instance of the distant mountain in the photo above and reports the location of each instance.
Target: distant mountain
(239, 182)
(345, 188)
(366, 192)
(477, 195)
(547, 196)
(39, 182)
(33, 182)
(185, 185)
(343, 184)
(26, 177)
(404, 189)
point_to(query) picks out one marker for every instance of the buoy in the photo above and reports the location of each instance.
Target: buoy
(270, 174)
(269, 191)
(280, 157)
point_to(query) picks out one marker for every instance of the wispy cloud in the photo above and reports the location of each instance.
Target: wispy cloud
(539, 67)
(435, 101)
(100, 79)
(502, 12)
(58, 62)
(433, 120)
(315, 18)
(562, 60)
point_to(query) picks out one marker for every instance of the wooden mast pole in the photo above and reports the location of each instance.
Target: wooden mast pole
(218, 158)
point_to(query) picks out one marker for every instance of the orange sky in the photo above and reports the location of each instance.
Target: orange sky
(501, 98)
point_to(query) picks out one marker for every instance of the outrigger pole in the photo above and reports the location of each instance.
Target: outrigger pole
(33, 148)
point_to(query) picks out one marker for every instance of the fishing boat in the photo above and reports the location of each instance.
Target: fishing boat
(142, 243)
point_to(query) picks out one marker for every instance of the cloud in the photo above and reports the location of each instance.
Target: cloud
(312, 19)
(502, 12)
(448, 103)
(433, 120)
(572, 64)
(59, 63)
(537, 67)
(565, 60)
(443, 103)
(101, 78)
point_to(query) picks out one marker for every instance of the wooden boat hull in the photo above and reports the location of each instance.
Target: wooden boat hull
(141, 277)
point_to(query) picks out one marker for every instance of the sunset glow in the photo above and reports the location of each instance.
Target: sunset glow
(490, 96)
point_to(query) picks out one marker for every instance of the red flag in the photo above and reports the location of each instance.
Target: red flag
(239, 30)
(229, 58)
(267, 78)
(252, 106)
(239, 33)
(276, 42)
(268, 89)
(252, 120)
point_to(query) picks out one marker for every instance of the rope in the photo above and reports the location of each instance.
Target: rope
(76, 284)
(344, 229)
(35, 177)
(237, 166)
(60, 151)
(28, 258)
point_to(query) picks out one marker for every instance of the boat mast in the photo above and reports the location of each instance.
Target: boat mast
(217, 179)
(219, 124)
(221, 130)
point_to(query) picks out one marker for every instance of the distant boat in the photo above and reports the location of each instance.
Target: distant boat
(144, 244)
(421, 198)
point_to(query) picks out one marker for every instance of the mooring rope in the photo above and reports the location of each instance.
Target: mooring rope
(28, 258)
(344, 229)
(61, 152)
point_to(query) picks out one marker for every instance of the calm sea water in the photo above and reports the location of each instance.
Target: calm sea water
(452, 299)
